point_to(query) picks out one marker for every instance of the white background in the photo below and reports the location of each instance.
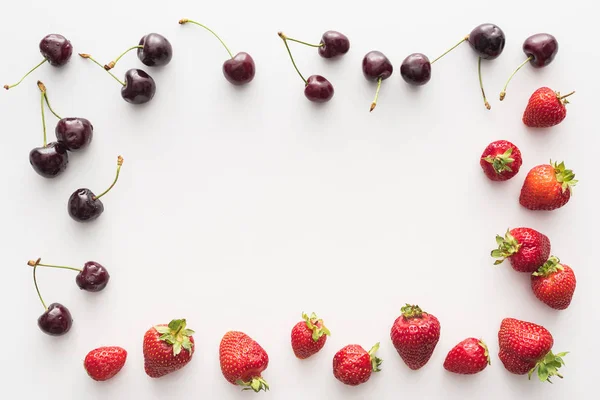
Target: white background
(238, 208)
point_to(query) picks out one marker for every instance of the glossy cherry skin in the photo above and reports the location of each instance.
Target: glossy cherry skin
(56, 49)
(139, 87)
(56, 321)
(240, 69)
(376, 65)
(542, 49)
(334, 44)
(74, 133)
(487, 40)
(157, 50)
(93, 277)
(49, 161)
(416, 69)
(318, 89)
(83, 206)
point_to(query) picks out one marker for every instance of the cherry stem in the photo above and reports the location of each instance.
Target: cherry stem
(112, 64)
(25, 76)
(503, 92)
(38, 289)
(185, 20)
(43, 118)
(452, 48)
(37, 263)
(83, 55)
(119, 164)
(566, 95)
(374, 103)
(485, 102)
(284, 38)
(45, 92)
(304, 43)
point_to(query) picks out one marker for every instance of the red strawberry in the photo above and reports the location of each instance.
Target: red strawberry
(501, 160)
(545, 108)
(167, 348)
(415, 334)
(526, 248)
(352, 365)
(243, 361)
(547, 187)
(309, 336)
(468, 357)
(525, 347)
(554, 284)
(103, 363)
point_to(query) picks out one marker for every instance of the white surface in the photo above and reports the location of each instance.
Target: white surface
(240, 208)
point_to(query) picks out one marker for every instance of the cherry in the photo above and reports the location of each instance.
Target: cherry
(153, 50)
(51, 159)
(487, 40)
(376, 67)
(316, 88)
(540, 50)
(56, 319)
(416, 69)
(333, 44)
(55, 49)
(239, 69)
(84, 205)
(92, 278)
(138, 88)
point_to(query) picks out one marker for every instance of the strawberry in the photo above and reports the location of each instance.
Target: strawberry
(525, 347)
(309, 336)
(242, 361)
(415, 334)
(352, 365)
(545, 108)
(501, 160)
(167, 348)
(547, 187)
(554, 284)
(103, 363)
(526, 248)
(468, 357)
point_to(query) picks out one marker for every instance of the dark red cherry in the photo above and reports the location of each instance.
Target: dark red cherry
(83, 206)
(333, 44)
(93, 277)
(157, 50)
(49, 161)
(318, 89)
(56, 49)
(487, 40)
(376, 65)
(139, 87)
(416, 69)
(240, 69)
(542, 49)
(74, 133)
(56, 320)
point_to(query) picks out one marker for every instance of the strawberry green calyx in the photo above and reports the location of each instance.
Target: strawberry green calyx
(548, 366)
(487, 352)
(507, 246)
(563, 99)
(564, 176)
(551, 266)
(375, 361)
(501, 162)
(411, 311)
(313, 323)
(257, 384)
(177, 335)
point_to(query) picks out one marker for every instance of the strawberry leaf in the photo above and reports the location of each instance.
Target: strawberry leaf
(175, 334)
(548, 367)
(550, 267)
(411, 311)
(564, 176)
(507, 246)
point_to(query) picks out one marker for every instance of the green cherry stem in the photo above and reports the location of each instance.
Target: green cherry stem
(25, 76)
(37, 289)
(185, 20)
(284, 38)
(45, 92)
(112, 64)
(452, 48)
(485, 102)
(37, 263)
(304, 43)
(119, 164)
(83, 55)
(374, 103)
(503, 92)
